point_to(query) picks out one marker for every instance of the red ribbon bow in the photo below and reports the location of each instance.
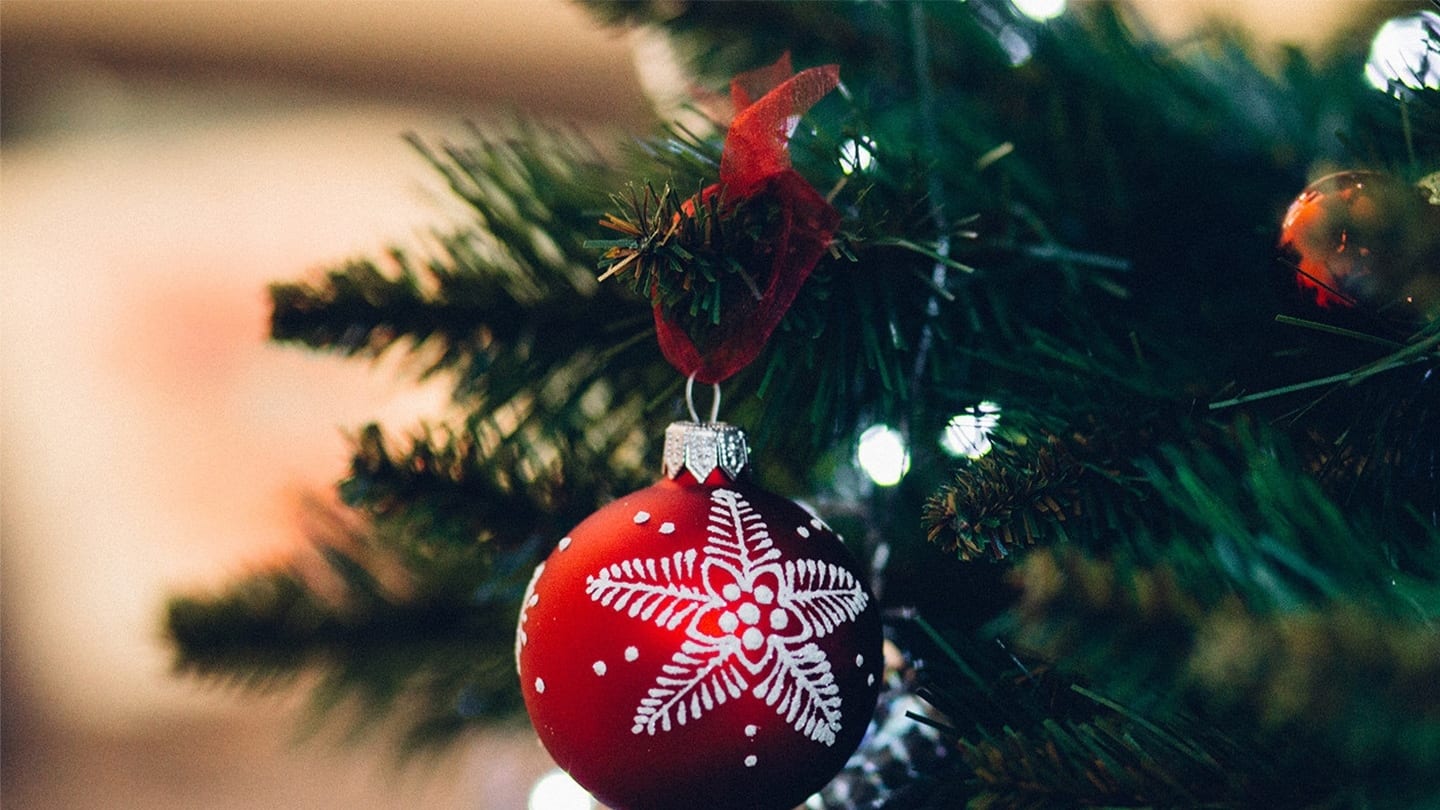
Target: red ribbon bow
(756, 163)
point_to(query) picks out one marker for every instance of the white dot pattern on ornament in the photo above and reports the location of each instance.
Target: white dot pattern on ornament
(599, 667)
(786, 670)
(565, 543)
(521, 637)
(667, 528)
(870, 679)
(752, 730)
(802, 531)
(751, 761)
(540, 685)
(859, 660)
(779, 619)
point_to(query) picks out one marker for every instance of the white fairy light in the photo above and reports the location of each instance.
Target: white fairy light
(882, 455)
(968, 434)
(1040, 10)
(857, 156)
(1406, 52)
(557, 791)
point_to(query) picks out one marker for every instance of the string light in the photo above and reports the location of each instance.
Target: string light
(557, 791)
(968, 434)
(882, 455)
(1406, 53)
(1040, 10)
(857, 156)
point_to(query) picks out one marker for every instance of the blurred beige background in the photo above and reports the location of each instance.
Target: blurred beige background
(160, 163)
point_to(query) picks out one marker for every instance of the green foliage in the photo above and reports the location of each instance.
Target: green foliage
(392, 639)
(1220, 526)
(1114, 759)
(550, 422)
(1258, 613)
(1339, 681)
(692, 255)
(1008, 499)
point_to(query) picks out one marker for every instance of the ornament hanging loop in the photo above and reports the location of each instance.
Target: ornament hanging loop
(690, 400)
(704, 447)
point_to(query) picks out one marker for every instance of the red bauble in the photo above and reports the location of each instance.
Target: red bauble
(701, 642)
(1366, 239)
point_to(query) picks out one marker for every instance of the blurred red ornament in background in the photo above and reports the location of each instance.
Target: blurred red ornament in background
(1369, 240)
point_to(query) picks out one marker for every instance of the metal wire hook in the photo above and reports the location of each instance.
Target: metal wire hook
(690, 399)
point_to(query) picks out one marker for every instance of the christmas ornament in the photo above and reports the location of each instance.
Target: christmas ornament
(1366, 239)
(701, 642)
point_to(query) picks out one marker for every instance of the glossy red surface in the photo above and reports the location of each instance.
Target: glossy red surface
(700, 645)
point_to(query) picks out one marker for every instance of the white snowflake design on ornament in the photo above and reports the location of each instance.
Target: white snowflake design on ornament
(752, 623)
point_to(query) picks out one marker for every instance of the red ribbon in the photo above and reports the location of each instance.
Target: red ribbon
(755, 163)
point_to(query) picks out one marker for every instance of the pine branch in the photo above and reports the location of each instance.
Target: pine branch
(1369, 436)
(510, 311)
(1263, 592)
(1106, 238)
(693, 255)
(1027, 735)
(1119, 760)
(1011, 498)
(1357, 680)
(413, 618)
(501, 297)
(1086, 611)
(446, 490)
(398, 641)
(1267, 528)
(1364, 682)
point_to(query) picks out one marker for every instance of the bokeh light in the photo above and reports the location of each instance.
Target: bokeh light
(1406, 54)
(1040, 10)
(968, 433)
(857, 155)
(557, 791)
(882, 455)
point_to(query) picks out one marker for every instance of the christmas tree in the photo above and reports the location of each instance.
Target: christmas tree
(1114, 362)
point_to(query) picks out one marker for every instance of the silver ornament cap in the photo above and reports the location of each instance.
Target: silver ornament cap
(702, 448)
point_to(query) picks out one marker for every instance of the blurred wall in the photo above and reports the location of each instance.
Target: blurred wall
(160, 163)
